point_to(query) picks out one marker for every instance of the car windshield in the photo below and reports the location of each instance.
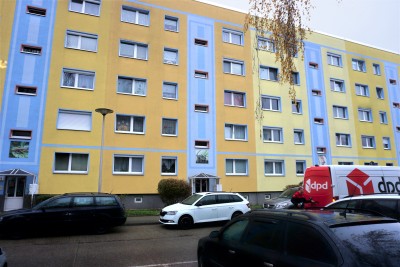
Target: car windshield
(192, 199)
(373, 244)
(288, 193)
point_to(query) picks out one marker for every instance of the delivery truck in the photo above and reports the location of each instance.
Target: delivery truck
(327, 183)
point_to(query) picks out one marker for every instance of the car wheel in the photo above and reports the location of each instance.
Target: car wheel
(185, 222)
(235, 214)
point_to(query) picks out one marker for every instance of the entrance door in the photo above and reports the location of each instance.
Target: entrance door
(201, 185)
(15, 189)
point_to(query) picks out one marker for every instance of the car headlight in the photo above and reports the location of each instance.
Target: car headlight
(282, 205)
(171, 212)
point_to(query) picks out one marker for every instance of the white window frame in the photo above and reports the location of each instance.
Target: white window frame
(386, 143)
(78, 75)
(167, 95)
(231, 63)
(297, 107)
(338, 110)
(269, 103)
(274, 167)
(81, 37)
(173, 51)
(130, 164)
(135, 14)
(135, 46)
(380, 94)
(84, 7)
(131, 123)
(234, 169)
(376, 69)
(164, 120)
(337, 85)
(265, 44)
(300, 136)
(334, 59)
(362, 90)
(70, 161)
(343, 139)
(368, 141)
(383, 117)
(303, 167)
(227, 35)
(231, 134)
(135, 90)
(268, 71)
(170, 28)
(365, 115)
(358, 65)
(232, 95)
(74, 120)
(273, 131)
(175, 159)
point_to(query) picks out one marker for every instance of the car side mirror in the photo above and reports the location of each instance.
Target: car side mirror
(214, 234)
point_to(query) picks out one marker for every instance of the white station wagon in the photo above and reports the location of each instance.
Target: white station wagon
(204, 207)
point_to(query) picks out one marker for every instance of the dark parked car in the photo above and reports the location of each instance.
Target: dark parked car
(76, 211)
(283, 201)
(303, 238)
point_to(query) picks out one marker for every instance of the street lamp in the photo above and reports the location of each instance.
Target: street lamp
(104, 112)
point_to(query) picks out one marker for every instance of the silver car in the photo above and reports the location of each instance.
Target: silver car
(283, 201)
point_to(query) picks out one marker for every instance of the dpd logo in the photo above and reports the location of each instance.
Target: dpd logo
(359, 183)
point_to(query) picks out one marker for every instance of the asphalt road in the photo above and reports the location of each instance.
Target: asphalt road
(150, 245)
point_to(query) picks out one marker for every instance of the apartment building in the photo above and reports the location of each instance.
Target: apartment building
(191, 96)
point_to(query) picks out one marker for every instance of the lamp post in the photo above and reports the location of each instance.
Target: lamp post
(104, 112)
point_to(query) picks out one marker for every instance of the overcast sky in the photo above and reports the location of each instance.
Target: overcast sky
(372, 22)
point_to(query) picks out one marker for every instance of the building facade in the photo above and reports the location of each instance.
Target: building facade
(193, 97)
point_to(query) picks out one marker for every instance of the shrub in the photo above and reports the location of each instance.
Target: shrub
(173, 191)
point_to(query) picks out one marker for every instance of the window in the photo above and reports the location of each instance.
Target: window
(386, 142)
(383, 117)
(201, 144)
(200, 42)
(130, 124)
(313, 65)
(78, 79)
(358, 65)
(337, 85)
(268, 73)
(200, 108)
(396, 105)
(91, 7)
(392, 81)
(321, 150)
(398, 128)
(297, 107)
(271, 103)
(74, 120)
(36, 10)
(340, 112)
(298, 136)
(362, 90)
(319, 120)
(133, 50)
(171, 24)
(368, 141)
(71, 163)
(25, 90)
(135, 15)
(380, 93)
(20, 134)
(132, 86)
(127, 164)
(29, 49)
(168, 165)
(236, 166)
(364, 115)
(342, 139)
(334, 59)
(273, 167)
(345, 163)
(300, 167)
(81, 41)
(233, 66)
(170, 90)
(169, 127)
(271, 134)
(266, 44)
(316, 92)
(200, 74)
(170, 56)
(236, 99)
(377, 69)
(235, 132)
(296, 78)
(232, 37)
